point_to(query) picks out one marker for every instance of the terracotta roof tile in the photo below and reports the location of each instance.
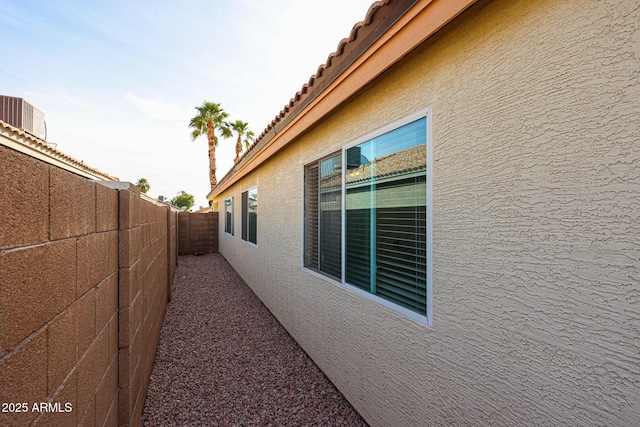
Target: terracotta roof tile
(399, 163)
(325, 71)
(404, 162)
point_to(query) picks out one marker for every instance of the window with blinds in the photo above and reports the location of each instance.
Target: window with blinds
(381, 192)
(323, 216)
(228, 216)
(311, 201)
(243, 213)
(250, 216)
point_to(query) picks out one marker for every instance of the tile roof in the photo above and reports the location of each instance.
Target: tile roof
(29, 141)
(362, 35)
(390, 30)
(398, 164)
(402, 162)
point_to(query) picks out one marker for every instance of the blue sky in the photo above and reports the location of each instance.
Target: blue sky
(118, 80)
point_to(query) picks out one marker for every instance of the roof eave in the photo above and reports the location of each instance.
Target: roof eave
(361, 60)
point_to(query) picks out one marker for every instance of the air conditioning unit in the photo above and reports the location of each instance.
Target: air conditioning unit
(19, 113)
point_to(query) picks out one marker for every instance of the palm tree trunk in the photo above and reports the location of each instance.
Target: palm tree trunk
(212, 153)
(238, 148)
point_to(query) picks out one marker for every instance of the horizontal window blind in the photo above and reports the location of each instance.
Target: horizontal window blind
(245, 205)
(401, 253)
(311, 216)
(358, 248)
(330, 216)
(252, 216)
(228, 221)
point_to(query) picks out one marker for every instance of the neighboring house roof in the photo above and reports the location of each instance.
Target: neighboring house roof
(23, 141)
(390, 30)
(392, 166)
(403, 162)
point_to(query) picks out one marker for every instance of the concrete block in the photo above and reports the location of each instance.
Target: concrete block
(107, 208)
(129, 247)
(24, 378)
(128, 359)
(124, 406)
(145, 260)
(107, 392)
(112, 417)
(106, 301)
(113, 337)
(91, 369)
(93, 261)
(146, 234)
(86, 312)
(62, 348)
(138, 407)
(113, 244)
(89, 416)
(127, 323)
(129, 284)
(129, 208)
(25, 201)
(42, 279)
(183, 237)
(72, 201)
(67, 393)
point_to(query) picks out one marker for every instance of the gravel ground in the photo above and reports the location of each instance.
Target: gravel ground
(224, 360)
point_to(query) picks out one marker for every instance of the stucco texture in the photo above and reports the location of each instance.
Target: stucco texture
(536, 225)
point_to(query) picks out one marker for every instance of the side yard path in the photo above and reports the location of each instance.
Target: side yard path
(224, 360)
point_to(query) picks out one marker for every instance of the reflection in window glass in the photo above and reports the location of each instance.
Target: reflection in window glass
(330, 216)
(228, 216)
(252, 216)
(385, 181)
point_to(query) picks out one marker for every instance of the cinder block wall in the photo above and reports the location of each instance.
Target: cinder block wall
(144, 262)
(58, 294)
(85, 272)
(172, 244)
(198, 233)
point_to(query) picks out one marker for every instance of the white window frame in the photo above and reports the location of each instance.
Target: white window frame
(422, 319)
(244, 214)
(231, 233)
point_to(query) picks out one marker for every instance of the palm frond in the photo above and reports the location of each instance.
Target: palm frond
(248, 138)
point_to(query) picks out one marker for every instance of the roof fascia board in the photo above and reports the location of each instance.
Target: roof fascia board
(419, 23)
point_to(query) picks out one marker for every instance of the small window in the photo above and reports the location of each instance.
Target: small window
(228, 216)
(250, 216)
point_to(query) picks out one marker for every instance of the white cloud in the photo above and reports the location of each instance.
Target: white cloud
(158, 110)
(118, 81)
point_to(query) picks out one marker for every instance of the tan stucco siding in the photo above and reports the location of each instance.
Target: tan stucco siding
(536, 227)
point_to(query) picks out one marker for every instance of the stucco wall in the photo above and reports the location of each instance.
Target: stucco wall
(536, 218)
(84, 279)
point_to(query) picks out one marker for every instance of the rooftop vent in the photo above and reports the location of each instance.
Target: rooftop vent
(20, 114)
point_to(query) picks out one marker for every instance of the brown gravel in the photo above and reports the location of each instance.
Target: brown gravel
(224, 360)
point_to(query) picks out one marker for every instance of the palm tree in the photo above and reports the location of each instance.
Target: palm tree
(209, 116)
(241, 128)
(143, 185)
